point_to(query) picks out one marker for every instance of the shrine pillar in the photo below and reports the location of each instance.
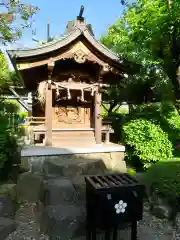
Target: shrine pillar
(98, 122)
(48, 107)
(48, 114)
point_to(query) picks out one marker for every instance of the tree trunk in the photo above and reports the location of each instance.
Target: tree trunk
(173, 66)
(112, 106)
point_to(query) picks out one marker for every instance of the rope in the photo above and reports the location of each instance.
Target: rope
(68, 93)
(82, 95)
(71, 87)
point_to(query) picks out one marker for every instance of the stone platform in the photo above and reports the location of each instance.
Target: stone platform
(112, 155)
(56, 179)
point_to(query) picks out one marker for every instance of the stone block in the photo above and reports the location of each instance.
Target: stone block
(117, 163)
(80, 187)
(25, 164)
(33, 163)
(7, 226)
(29, 187)
(57, 191)
(106, 162)
(7, 208)
(70, 166)
(63, 221)
(91, 167)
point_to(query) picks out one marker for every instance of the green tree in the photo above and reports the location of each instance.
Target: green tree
(4, 72)
(14, 11)
(7, 78)
(148, 33)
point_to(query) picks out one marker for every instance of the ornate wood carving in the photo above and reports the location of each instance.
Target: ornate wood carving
(80, 56)
(69, 115)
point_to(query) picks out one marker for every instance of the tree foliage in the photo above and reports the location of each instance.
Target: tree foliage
(7, 77)
(148, 33)
(14, 18)
(4, 72)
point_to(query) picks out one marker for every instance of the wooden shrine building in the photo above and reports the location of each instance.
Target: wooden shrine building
(67, 77)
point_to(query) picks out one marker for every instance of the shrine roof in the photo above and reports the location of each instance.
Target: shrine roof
(76, 32)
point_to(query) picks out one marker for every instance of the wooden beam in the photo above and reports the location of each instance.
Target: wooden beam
(19, 98)
(98, 122)
(48, 106)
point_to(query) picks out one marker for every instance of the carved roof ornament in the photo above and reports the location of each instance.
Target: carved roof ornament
(80, 56)
(106, 68)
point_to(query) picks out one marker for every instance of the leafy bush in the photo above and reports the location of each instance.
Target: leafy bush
(23, 115)
(9, 152)
(146, 141)
(3, 140)
(163, 179)
(131, 171)
(10, 106)
(163, 114)
(12, 159)
(170, 122)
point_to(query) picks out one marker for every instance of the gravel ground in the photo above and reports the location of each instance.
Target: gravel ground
(27, 217)
(150, 228)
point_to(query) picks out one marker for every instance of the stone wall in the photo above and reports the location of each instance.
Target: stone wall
(112, 161)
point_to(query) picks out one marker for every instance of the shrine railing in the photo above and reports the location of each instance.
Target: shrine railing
(35, 120)
(36, 126)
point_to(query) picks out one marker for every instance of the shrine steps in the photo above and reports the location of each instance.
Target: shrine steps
(79, 138)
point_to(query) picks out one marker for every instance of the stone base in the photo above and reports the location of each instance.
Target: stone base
(112, 161)
(57, 182)
(29, 187)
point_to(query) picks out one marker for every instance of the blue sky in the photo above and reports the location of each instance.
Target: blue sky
(100, 13)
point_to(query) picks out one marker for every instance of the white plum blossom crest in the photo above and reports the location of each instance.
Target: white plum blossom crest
(120, 207)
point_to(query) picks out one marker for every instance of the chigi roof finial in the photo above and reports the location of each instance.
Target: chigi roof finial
(80, 16)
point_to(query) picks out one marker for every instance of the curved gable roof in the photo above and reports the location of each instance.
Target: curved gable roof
(64, 41)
